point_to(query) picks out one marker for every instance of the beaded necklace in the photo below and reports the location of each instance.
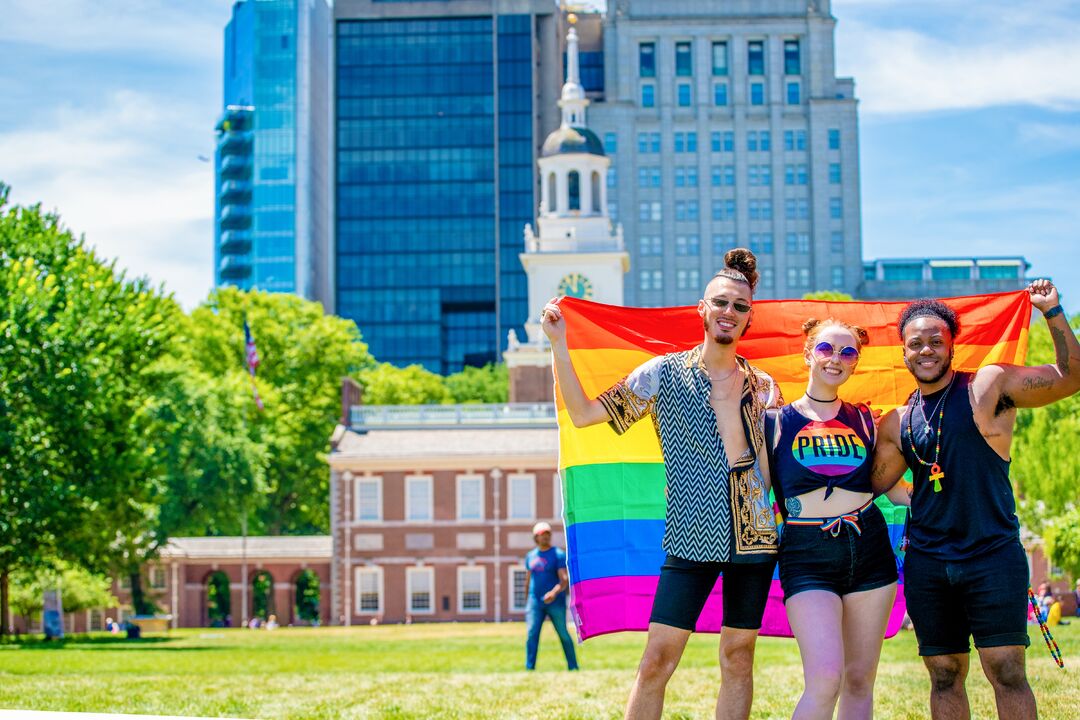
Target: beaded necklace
(936, 473)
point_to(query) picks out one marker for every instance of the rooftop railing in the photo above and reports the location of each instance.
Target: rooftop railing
(406, 417)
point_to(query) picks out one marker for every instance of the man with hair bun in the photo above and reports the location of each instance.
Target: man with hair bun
(707, 404)
(965, 572)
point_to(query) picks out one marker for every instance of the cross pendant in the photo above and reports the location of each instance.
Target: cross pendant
(936, 475)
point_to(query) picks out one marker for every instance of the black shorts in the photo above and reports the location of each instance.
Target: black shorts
(848, 562)
(984, 596)
(685, 586)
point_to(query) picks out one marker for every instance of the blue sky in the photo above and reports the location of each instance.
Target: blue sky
(969, 123)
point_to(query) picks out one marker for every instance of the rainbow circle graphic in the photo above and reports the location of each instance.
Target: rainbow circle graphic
(828, 448)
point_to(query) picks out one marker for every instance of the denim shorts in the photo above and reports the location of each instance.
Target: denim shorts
(950, 601)
(685, 585)
(843, 559)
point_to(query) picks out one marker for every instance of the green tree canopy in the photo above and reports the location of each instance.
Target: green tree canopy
(829, 295)
(488, 384)
(386, 384)
(79, 588)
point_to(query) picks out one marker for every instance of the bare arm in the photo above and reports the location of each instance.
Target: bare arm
(583, 410)
(889, 463)
(564, 582)
(1044, 384)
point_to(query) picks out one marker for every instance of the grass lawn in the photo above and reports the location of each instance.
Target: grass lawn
(445, 671)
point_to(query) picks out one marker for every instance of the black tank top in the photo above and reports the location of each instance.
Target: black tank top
(969, 510)
(835, 453)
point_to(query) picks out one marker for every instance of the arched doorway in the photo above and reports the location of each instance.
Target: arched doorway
(218, 600)
(262, 595)
(308, 596)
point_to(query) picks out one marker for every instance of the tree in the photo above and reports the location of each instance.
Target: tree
(76, 342)
(79, 589)
(386, 384)
(1045, 472)
(489, 384)
(829, 295)
(1062, 535)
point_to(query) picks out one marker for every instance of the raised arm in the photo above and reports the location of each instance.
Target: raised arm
(583, 410)
(1040, 385)
(889, 463)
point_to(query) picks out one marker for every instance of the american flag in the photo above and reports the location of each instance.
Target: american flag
(252, 359)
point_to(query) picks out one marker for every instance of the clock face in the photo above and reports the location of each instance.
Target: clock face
(576, 285)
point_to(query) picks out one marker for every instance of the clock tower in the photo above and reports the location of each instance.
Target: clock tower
(574, 250)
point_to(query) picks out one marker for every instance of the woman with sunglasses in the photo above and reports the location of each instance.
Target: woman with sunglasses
(836, 561)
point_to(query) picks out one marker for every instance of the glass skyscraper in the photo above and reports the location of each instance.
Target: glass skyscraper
(436, 138)
(272, 159)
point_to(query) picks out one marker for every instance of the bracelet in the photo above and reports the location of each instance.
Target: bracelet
(1054, 311)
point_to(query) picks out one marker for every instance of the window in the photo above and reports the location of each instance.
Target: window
(837, 277)
(686, 209)
(723, 209)
(719, 58)
(649, 177)
(684, 62)
(648, 95)
(797, 209)
(685, 176)
(612, 209)
(612, 179)
(767, 277)
(761, 209)
(758, 140)
(834, 139)
(834, 173)
(793, 95)
(369, 590)
(688, 279)
(367, 494)
(420, 589)
(521, 500)
(757, 93)
(649, 245)
(798, 277)
(792, 63)
(418, 505)
(798, 243)
(648, 142)
(470, 497)
(723, 141)
(720, 94)
(794, 140)
(684, 94)
(836, 208)
(761, 243)
(760, 174)
(722, 243)
(610, 143)
(650, 280)
(686, 142)
(472, 589)
(1000, 272)
(649, 211)
(893, 272)
(755, 57)
(795, 174)
(836, 242)
(647, 59)
(573, 183)
(688, 245)
(157, 577)
(519, 581)
(657, 280)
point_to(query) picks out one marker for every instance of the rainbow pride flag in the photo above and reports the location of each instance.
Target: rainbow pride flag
(613, 486)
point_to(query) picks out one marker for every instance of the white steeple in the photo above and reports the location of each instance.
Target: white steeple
(573, 101)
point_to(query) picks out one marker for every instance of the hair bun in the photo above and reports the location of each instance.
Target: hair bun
(809, 325)
(744, 261)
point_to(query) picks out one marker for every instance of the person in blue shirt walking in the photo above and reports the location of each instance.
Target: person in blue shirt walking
(547, 581)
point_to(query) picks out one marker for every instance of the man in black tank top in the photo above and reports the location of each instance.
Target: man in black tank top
(966, 574)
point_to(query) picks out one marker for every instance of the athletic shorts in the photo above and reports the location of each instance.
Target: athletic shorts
(685, 585)
(858, 557)
(951, 601)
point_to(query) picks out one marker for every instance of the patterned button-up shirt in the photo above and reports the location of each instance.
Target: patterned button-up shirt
(714, 512)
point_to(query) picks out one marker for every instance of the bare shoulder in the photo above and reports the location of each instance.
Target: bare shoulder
(987, 387)
(889, 427)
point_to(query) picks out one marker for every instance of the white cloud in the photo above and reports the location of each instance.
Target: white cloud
(172, 30)
(113, 175)
(947, 56)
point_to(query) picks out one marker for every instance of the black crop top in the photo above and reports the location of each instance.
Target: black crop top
(835, 453)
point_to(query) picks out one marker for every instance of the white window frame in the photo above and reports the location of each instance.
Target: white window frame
(470, 476)
(510, 588)
(511, 496)
(410, 573)
(357, 482)
(378, 573)
(164, 577)
(409, 480)
(462, 570)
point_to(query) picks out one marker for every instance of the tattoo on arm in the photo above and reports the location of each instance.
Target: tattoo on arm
(1061, 349)
(1038, 383)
